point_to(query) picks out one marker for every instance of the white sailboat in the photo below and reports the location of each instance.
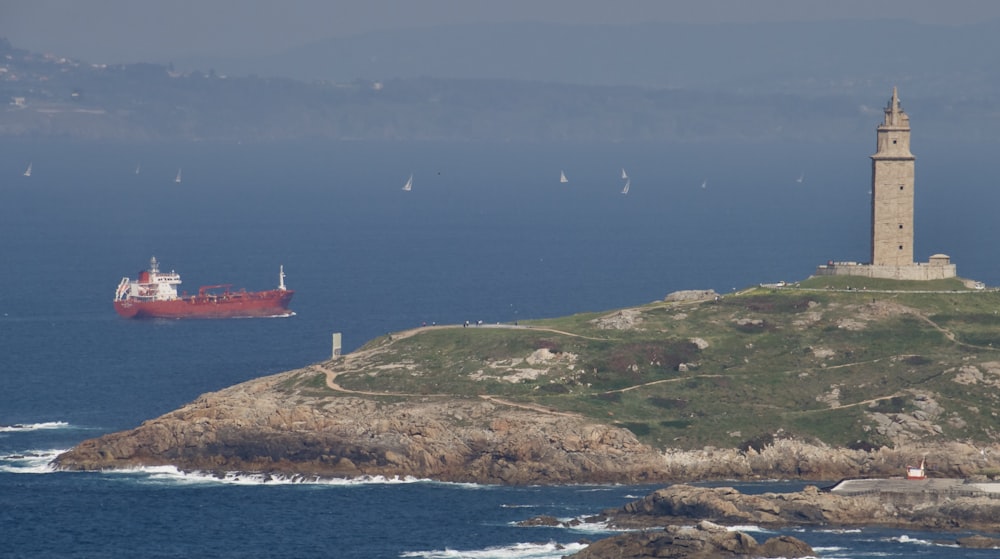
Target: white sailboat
(624, 174)
(27, 172)
(704, 183)
(562, 177)
(802, 177)
(137, 168)
(628, 182)
(409, 183)
(178, 177)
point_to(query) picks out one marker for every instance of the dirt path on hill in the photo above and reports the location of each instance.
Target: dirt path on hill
(532, 407)
(655, 382)
(331, 383)
(951, 335)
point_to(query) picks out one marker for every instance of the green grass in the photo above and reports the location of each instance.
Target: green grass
(773, 361)
(857, 283)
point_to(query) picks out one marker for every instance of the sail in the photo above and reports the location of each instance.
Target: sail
(137, 168)
(628, 182)
(409, 183)
(178, 178)
(562, 177)
(27, 172)
(624, 174)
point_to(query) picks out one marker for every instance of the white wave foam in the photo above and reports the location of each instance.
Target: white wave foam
(580, 524)
(18, 427)
(748, 528)
(29, 462)
(907, 539)
(516, 551)
(172, 474)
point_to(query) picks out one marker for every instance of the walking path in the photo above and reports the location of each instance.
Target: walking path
(331, 376)
(332, 384)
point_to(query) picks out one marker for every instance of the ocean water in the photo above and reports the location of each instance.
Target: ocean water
(487, 233)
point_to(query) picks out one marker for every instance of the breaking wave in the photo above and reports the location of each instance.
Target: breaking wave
(173, 475)
(516, 551)
(29, 461)
(748, 528)
(20, 427)
(907, 539)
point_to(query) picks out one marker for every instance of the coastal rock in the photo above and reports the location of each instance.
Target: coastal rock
(705, 540)
(979, 542)
(252, 428)
(255, 427)
(785, 546)
(624, 319)
(680, 504)
(690, 295)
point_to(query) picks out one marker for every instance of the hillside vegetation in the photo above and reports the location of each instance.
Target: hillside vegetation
(843, 361)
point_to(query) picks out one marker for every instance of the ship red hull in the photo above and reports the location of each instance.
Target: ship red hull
(231, 305)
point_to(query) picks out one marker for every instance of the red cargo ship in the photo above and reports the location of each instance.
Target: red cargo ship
(154, 295)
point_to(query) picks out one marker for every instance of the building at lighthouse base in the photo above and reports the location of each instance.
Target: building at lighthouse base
(938, 267)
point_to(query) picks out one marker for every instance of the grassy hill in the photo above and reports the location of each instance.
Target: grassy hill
(848, 361)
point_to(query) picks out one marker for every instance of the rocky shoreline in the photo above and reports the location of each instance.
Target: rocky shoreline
(688, 521)
(253, 427)
(256, 427)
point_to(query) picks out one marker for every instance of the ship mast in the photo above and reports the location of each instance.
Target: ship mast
(281, 278)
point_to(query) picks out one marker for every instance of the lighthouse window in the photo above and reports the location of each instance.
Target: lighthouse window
(900, 225)
(901, 187)
(894, 141)
(900, 247)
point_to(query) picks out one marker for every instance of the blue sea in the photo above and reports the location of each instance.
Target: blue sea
(487, 233)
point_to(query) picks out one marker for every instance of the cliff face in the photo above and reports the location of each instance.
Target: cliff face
(257, 427)
(251, 427)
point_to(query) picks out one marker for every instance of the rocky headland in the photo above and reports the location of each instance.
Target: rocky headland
(679, 390)
(252, 427)
(812, 382)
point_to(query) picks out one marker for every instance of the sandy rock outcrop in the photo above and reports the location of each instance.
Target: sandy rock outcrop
(253, 428)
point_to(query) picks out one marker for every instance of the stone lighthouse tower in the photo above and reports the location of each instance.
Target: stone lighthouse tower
(892, 190)
(892, 210)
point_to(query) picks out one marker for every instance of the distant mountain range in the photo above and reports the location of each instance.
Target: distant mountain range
(818, 81)
(811, 56)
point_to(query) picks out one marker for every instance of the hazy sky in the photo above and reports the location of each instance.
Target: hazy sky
(156, 30)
